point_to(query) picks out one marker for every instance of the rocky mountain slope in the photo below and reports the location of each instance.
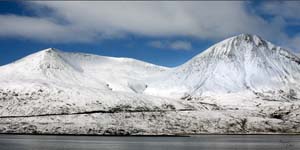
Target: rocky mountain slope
(243, 84)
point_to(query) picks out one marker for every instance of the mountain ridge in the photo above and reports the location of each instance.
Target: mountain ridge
(238, 63)
(243, 84)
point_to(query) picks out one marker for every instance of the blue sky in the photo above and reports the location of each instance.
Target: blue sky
(163, 33)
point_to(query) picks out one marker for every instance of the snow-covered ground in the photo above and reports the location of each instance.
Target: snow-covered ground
(243, 84)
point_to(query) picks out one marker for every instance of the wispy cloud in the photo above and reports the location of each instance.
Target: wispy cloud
(171, 45)
(157, 44)
(90, 20)
(181, 45)
(284, 14)
(79, 21)
(285, 9)
(39, 29)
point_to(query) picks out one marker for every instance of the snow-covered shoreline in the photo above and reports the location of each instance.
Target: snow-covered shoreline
(149, 123)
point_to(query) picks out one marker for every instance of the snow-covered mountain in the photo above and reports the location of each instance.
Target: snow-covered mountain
(76, 69)
(243, 62)
(241, 79)
(74, 82)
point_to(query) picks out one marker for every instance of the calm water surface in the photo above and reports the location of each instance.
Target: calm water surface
(203, 142)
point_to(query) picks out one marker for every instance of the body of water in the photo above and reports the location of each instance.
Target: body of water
(201, 142)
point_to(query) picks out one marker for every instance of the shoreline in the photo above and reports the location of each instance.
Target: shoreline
(94, 135)
(184, 135)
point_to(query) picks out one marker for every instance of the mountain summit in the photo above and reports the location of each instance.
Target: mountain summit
(243, 62)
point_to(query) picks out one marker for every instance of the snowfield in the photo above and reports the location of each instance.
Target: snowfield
(243, 84)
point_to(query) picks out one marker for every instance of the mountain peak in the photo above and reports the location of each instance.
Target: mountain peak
(247, 35)
(245, 60)
(49, 53)
(49, 50)
(46, 59)
(250, 38)
(237, 45)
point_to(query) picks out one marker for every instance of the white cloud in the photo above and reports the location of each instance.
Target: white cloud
(181, 45)
(38, 29)
(285, 9)
(171, 45)
(157, 44)
(78, 21)
(207, 20)
(284, 14)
